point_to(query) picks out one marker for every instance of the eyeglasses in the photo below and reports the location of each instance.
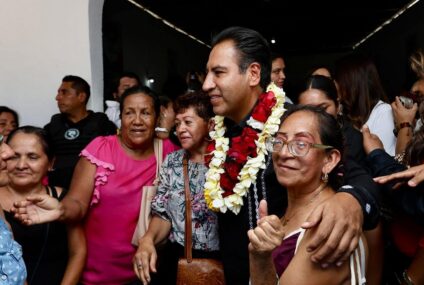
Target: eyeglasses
(296, 147)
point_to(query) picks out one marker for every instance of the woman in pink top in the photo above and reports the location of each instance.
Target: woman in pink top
(106, 191)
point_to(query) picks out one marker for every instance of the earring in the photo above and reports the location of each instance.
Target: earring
(340, 110)
(324, 177)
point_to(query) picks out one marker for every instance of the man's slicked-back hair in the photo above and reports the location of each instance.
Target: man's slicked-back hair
(79, 84)
(251, 47)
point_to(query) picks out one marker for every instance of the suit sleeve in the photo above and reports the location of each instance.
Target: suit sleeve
(359, 183)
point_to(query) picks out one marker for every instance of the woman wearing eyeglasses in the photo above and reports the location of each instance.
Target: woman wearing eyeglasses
(321, 91)
(306, 153)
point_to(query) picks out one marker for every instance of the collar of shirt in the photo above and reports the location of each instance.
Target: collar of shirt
(234, 129)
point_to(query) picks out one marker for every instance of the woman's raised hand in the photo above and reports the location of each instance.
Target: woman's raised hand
(370, 141)
(37, 209)
(268, 234)
(414, 176)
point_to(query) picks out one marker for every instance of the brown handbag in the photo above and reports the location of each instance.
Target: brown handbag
(195, 271)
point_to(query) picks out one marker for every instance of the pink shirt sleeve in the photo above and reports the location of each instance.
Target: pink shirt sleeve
(98, 152)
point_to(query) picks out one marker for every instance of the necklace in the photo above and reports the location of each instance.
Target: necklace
(232, 170)
(285, 220)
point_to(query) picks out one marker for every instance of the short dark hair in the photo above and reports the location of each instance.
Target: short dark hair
(128, 74)
(199, 100)
(251, 47)
(330, 134)
(140, 89)
(4, 109)
(39, 133)
(79, 84)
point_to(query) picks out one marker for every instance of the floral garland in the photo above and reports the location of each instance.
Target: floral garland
(232, 170)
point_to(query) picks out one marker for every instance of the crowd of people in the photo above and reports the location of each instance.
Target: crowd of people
(315, 192)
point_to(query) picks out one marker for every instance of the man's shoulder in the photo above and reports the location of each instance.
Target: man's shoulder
(101, 121)
(56, 117)
(97, 116)
(54, 120)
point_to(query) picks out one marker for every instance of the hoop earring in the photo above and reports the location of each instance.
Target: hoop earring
(324, 177)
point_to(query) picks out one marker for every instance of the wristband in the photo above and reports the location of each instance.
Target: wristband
(401, 126)
(405, 125)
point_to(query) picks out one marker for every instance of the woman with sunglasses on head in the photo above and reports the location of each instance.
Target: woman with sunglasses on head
(306, 152)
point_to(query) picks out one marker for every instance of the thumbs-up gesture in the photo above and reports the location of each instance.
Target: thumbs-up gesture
(267, 235)
(370, 141)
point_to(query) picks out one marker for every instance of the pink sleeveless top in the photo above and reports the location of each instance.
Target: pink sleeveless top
(111, 219)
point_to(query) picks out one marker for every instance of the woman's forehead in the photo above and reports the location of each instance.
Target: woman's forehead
(300, 124)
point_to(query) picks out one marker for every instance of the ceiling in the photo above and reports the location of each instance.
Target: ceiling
(298, 26)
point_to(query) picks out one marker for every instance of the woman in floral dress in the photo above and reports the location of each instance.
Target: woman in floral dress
(193, 113)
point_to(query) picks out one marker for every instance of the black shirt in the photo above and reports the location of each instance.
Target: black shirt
(68, 139)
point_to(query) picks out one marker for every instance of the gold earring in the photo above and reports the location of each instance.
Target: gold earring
(324, 177)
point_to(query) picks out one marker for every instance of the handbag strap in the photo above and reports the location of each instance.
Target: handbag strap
(158, 150)
(188, 234)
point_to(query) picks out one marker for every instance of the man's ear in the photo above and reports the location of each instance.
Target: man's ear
(254, 71)
(82, 96)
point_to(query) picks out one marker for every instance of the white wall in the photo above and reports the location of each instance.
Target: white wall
(40, 42)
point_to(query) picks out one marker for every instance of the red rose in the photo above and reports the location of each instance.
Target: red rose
(226, 184)
(269, 99)
(263, 109)
(209, 149)
(249, 136)
(238, 149)
(232, 168)
(239, 156)
(260, 113)
(236, 143)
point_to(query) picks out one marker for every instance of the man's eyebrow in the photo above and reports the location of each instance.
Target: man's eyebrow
(218, 67)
